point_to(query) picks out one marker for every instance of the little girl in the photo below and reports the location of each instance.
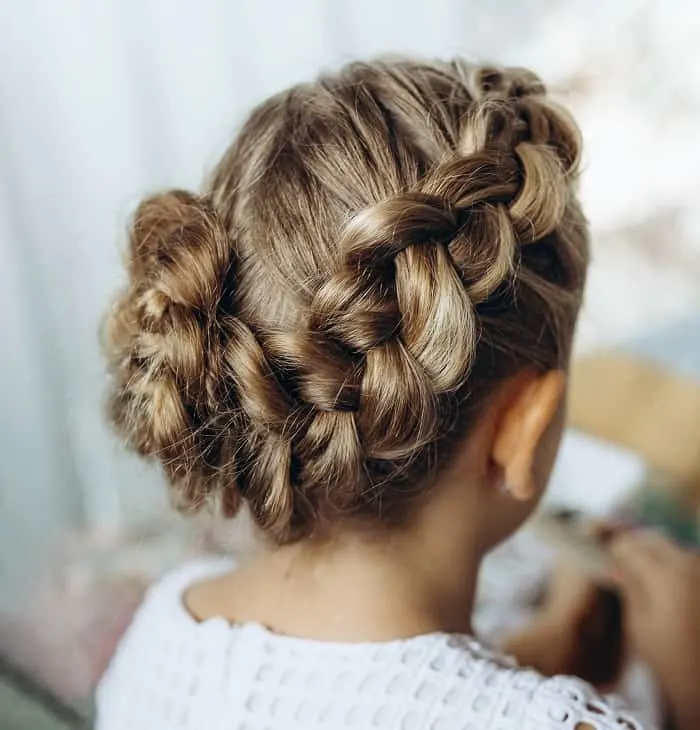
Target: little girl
(360, 331)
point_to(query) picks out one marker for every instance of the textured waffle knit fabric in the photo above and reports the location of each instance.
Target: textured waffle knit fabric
(171, 672)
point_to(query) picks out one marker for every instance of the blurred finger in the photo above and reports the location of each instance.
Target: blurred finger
(649, 552)
(636, 565)
(639, 549)
(660, 546)
(634, 591)
(605, 531)
(571, 591)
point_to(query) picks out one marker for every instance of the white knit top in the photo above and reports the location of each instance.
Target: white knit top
(171, 672)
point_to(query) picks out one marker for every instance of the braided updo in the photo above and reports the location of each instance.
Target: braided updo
(313, 333)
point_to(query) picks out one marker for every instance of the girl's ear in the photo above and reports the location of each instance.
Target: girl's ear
(534, 403)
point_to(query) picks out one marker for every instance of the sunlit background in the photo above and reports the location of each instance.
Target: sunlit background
(103, 102)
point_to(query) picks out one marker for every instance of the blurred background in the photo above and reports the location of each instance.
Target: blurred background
(104, 102)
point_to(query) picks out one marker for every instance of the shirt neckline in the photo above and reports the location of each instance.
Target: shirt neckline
(184, 577)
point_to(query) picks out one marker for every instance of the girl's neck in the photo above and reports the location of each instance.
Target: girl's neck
(378, 590)
(358, 586)
(351, 589)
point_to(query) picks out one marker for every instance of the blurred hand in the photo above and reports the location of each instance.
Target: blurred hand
(660, 585)
(574, 631)
(571, 596)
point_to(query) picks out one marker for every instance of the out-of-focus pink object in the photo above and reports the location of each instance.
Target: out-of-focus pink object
(64, 640)
(87, 598)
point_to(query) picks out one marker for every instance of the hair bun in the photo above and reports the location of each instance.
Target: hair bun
(180, 250)
(161, 333)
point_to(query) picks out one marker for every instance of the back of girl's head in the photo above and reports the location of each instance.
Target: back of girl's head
(374, 253)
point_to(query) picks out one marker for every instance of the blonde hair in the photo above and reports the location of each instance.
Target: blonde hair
(315, 331)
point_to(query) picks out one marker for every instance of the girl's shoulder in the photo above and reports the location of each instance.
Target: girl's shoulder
(432, 681)
(163, 644)
(563, 702)
(484, 687)
(163, 604)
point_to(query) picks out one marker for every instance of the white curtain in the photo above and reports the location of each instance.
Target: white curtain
(102, 102)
